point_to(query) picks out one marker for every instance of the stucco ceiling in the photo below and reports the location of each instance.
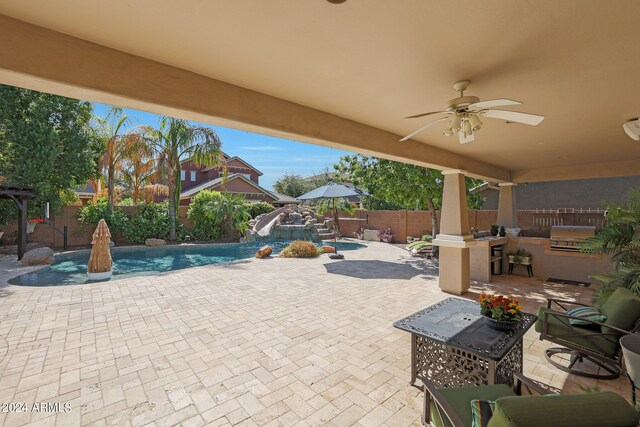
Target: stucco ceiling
(576, 62)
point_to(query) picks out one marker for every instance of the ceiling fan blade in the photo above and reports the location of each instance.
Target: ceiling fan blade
(427, 114)
(464, 139)
(482, 105)
(422, 128)
(513, 116)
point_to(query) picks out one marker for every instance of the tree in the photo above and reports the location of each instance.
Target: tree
(334, 205)
(291, 184)
(176, 140)
(402, 184)
(47, 143)
(620, 239)
(138, 166)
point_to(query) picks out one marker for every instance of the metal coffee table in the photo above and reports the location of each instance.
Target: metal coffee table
(452, 345)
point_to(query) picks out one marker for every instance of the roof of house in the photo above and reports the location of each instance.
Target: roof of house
(283, 198)
(85, 191)
(227, 159)
(218, 181)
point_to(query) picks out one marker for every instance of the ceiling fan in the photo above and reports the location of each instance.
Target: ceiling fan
(464, 114)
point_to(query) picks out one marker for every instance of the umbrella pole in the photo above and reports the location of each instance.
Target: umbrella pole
(335, 222)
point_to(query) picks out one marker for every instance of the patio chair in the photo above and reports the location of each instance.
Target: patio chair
(593, 341)
(451, 407)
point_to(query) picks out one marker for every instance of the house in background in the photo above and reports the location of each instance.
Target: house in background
(571, 194)
(242, 178)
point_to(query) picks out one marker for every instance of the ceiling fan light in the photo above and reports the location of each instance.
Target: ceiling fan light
(466, 127)
(475, 123)
(455, 124)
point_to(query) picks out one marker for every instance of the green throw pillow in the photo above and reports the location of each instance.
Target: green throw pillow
(482, 410)
(587, 313)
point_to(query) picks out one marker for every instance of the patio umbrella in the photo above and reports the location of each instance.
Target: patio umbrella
(100, 263)
(333, 191)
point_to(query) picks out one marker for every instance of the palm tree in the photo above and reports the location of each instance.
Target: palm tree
(620, 239)
(138, 165)
(176, 140)
(116, 144)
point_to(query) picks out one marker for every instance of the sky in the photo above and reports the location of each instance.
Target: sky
(272, 156)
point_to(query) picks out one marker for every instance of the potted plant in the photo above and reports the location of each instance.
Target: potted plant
(385, 235)
(502, 232)
(501, 313)
(410, 239)
(494, 229)
(360, 233)
(520, 256)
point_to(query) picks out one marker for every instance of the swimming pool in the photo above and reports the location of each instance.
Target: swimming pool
(71, 268)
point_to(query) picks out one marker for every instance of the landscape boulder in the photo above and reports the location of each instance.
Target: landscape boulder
(264, 252)
(329, 249)
(155, 242)
(38, 256)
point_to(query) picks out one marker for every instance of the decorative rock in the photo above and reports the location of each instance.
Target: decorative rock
(38, 256)
(155, 242)
(329, 249)
(264, 252)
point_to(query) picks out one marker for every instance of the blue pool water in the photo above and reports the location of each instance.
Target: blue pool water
(71, 268)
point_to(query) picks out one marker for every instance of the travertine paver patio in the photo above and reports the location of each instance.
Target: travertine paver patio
(254, 342)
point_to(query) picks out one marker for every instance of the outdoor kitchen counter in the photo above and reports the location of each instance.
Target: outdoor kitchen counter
(549, 263)
(480, 257)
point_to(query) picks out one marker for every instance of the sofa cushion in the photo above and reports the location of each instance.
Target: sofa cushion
(622, 309)
(481, 412)
(460, 399)
(581, 336)
(586, 313)
(579, 410)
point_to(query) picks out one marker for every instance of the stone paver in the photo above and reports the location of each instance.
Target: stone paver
(253, 342)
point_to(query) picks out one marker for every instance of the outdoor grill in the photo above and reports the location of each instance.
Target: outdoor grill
(569, 237)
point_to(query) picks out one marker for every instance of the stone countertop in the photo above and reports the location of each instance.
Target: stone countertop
(491, 241)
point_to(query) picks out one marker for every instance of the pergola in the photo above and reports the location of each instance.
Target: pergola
(20, 197)
(345, 75)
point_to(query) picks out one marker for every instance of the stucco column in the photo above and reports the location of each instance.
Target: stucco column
(454, 239)
(507, 211)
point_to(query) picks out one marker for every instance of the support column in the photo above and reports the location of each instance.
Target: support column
(454, 239)
(507, 211)
(22, 227)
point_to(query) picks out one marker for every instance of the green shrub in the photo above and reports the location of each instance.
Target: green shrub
(116, 220)
(150, 220)
(259, 208)
(300, 249)
(215, 215)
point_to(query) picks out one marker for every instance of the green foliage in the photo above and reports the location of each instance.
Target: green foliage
(293, 185)
(519, 255)
(46, 143)
(215, 215)
(176, 140)
(116, 219)
(324, 206)
(255, 209)
(148, 220)
(402, 185)
(300, 249)
(620, 239)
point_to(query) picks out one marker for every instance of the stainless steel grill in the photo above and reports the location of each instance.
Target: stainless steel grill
(569, 237)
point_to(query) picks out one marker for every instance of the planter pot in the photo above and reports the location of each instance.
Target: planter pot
(494, 232)
(99, 276)
(524, 260)
(502, 325)
(503, 233)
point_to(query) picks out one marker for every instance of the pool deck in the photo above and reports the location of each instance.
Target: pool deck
(253, 342)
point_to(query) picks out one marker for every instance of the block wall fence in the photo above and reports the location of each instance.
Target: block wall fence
(403, 223)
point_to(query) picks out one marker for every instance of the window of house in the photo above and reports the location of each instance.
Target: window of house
(246, 175)
(193, 175)
(183, 175)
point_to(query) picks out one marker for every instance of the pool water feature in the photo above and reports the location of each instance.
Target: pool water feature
(71, 268)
